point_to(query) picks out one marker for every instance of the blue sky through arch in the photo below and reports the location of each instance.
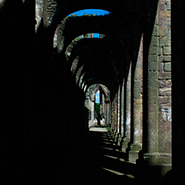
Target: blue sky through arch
(98, 12)
(97, 98)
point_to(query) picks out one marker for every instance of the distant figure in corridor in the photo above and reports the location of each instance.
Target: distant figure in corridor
(99, 119)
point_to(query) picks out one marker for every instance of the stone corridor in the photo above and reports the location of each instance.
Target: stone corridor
(93, 158)
(64, 76)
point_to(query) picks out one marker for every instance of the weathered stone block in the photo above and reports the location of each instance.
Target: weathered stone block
(153, 50)
(167, 51)
(167, 67)
(153, 58)
(165, 41)
(169, 83)
(165, 92)
(164, 21)
(162, 83)
(164, 75)
(152, 66)
(153, 74)
(161, 58)
(155, 39)
(161, 6)
(161, 67)
(152, 107)
(152, 83)
(163, 31)
(153, 92)
(163, 100)
(167, 59)
(160, 51)
(155, 31)
(138, 74)
(166, 113)
(153, 119)
(168, 5)
(164, 13)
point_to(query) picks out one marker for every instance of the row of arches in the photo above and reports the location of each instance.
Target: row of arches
(123, 60)
(53, 67)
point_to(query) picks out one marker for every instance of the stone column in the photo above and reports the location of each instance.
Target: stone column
(136, 107)
(151, 164)
(114, 115)
(122, 128)
(119, 136)
(122, 109)
(105, 112)
(108, 105)
(118, 111)
(103, 104)
(127, 112)
(92, 113)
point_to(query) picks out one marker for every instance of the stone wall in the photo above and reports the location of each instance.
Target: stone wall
(38, 13)
(164, 70)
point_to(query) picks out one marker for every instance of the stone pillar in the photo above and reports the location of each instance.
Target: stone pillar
(152, 164)
(108, 105)
(136, 107)
(164, 81)
(103, 104)
(178, 79)
(92, 114)
(127, 112)
(118, 110)
(112, 111)
(122, 109)
(105, 112)
(122, 129)
(114, 115)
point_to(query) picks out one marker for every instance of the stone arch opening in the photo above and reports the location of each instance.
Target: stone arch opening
(76, 26)
(99, 110)
(78, 38)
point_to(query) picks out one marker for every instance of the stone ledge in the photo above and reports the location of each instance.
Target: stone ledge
(157, 158)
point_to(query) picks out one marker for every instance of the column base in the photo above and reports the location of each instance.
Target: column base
(124, 145)
(133, 152)
(153, 166)
(120, 140)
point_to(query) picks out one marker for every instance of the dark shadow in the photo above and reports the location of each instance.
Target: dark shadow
(43, 110)
(91, 158)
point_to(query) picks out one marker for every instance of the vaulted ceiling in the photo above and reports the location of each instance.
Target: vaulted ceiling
(105, 60)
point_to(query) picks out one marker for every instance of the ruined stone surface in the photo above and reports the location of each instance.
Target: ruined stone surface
(165, 118)
(48, 86)
(38, 13)
(167, 50)
(167, 67)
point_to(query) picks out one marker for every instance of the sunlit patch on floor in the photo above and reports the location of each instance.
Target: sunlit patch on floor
(107, 148)
(118, 173)
(110, 156)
